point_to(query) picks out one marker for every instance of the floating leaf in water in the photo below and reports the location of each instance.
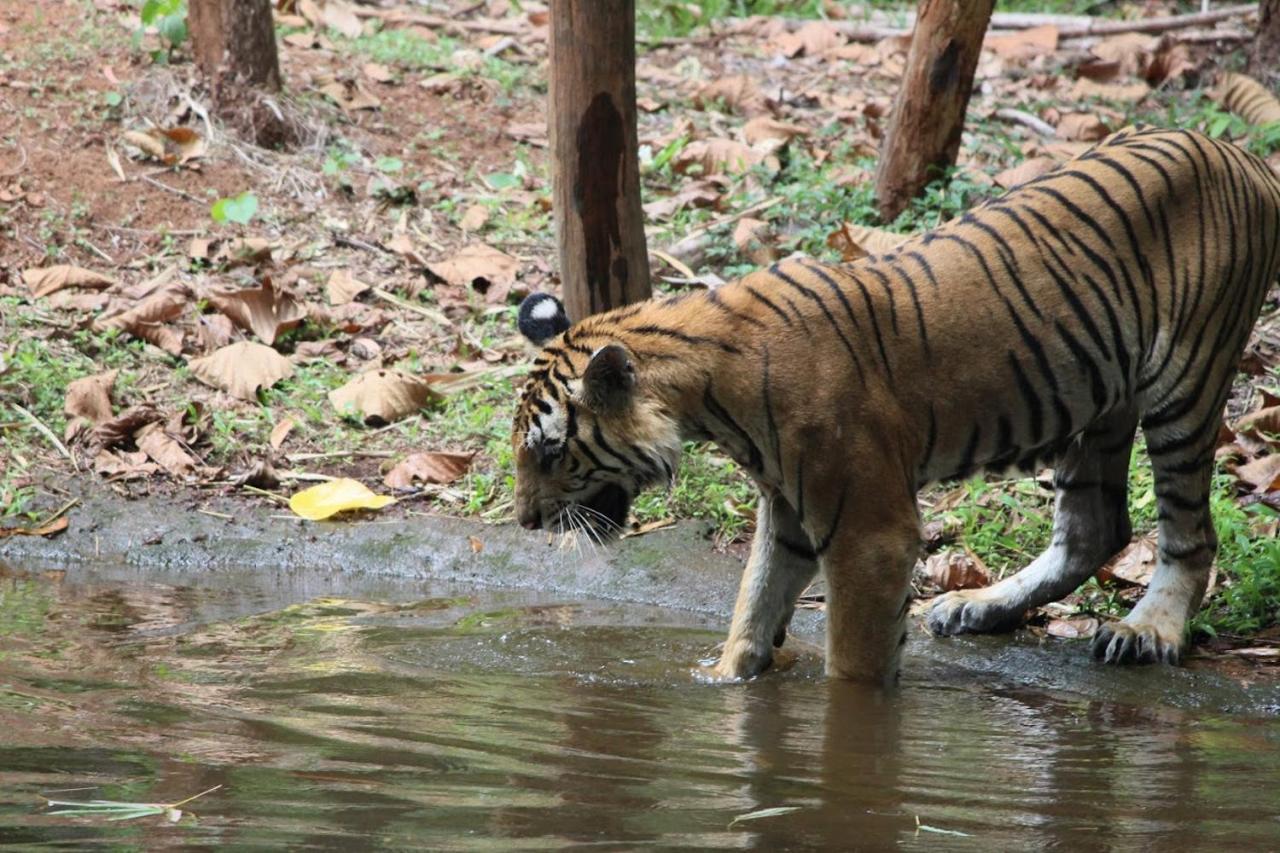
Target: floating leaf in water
(320, 502)
(759, 814)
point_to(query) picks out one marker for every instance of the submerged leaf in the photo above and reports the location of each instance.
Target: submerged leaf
(335, 496)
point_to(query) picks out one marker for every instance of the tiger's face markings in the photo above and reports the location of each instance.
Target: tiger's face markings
(581, 445)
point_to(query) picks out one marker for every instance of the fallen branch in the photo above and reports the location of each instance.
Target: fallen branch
(1026, 119)
(438, 22)
(1069, 26)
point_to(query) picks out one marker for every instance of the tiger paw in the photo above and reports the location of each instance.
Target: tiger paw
(970, 612)
(1139, 642)
(741, 661)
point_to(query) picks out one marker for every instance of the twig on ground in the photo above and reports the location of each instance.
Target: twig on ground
(161, 185)
(1026, 119)
(429, 313)
(729, 220)
(59, 512)
(1069, 26)
(222, 515)
(45, 431)
(341, 454)
(280, 499)
(393, 16)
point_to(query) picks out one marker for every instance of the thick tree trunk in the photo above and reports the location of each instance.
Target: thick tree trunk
(595, 165)
(234, 42)
(924, 131)
(1264, 62)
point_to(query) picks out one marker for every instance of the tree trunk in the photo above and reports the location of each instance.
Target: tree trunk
(234, 42)
(1264, 62)
(924, 131)
(595, 165)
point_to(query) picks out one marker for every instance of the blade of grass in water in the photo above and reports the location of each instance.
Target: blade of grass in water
(116, 810)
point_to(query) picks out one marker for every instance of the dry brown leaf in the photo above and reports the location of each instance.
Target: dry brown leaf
(341, 18)
(53, 528)
(213, 331)
(90, 397)
(46, 280)
(1132, 51)
(1075, 628)
(377, 72)
(1247, 98)
(124, 466)
(439, 468)
(147, 319)
(764, 129)
(698, 193)
(1265, 419)
(236, 252)
(813, 38)
(383, 396)
(1262, 474)
(1128, 92)
(857, 241)
(351, 95)
(121, 428)
(265, 311)
(343, 287)
(481, 268)
(171, 146)
(474, 218)
(717, 156)
(952, 570)
(280, 432)
(755, 240)
(476, 544)
(1083, 127)
(166, 452)
(312, 12)
(1024, 45)
(1025, 171)
(403, 246)
(1134, 565)
(738, 92)
(241, 369)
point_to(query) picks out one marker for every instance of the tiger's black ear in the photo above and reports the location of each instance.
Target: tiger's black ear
(541, 318)
(609, 379)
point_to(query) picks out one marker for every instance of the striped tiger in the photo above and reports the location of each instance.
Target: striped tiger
(1042, 327)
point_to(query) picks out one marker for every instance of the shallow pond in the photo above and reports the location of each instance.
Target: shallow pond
(349, 713)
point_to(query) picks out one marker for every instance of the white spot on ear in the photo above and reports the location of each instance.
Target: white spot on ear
(545, 310)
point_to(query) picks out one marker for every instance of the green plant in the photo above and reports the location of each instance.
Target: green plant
(240, 209)
(169, 17)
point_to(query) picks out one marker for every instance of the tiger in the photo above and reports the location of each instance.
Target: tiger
(1041, 328)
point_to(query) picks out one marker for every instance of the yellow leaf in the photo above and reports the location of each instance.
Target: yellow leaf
(336, 496)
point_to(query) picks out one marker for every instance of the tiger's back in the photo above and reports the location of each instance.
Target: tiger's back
(1045, 325)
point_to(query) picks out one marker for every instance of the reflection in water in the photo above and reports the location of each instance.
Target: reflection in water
(398, 720)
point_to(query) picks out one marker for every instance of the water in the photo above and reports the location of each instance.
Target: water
(347, 714)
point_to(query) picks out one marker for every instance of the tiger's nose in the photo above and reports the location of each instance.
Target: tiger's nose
(531, 520)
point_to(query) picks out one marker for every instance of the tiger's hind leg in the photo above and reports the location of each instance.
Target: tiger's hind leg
(1182, 462)
(1090, 524)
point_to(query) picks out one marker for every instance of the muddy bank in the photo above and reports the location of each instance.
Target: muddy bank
(675, 568)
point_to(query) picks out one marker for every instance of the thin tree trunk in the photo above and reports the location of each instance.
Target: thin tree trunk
(1264, 62)
(595, 165)
(234, 42)
(924, 131)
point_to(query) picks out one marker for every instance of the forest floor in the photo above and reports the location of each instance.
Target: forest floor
(380, 254)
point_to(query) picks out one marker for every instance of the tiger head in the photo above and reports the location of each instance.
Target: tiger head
(588, 436)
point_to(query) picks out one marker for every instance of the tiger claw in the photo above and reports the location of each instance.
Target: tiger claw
(1124, 643)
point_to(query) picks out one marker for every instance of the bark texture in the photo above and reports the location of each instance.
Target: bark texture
(234, 42)
(1264, 61)
(928, 116)
(595, 177)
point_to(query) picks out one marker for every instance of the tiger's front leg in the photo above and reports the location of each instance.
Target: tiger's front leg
(782, 564)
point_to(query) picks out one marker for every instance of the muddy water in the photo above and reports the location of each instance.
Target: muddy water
(352, 714)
